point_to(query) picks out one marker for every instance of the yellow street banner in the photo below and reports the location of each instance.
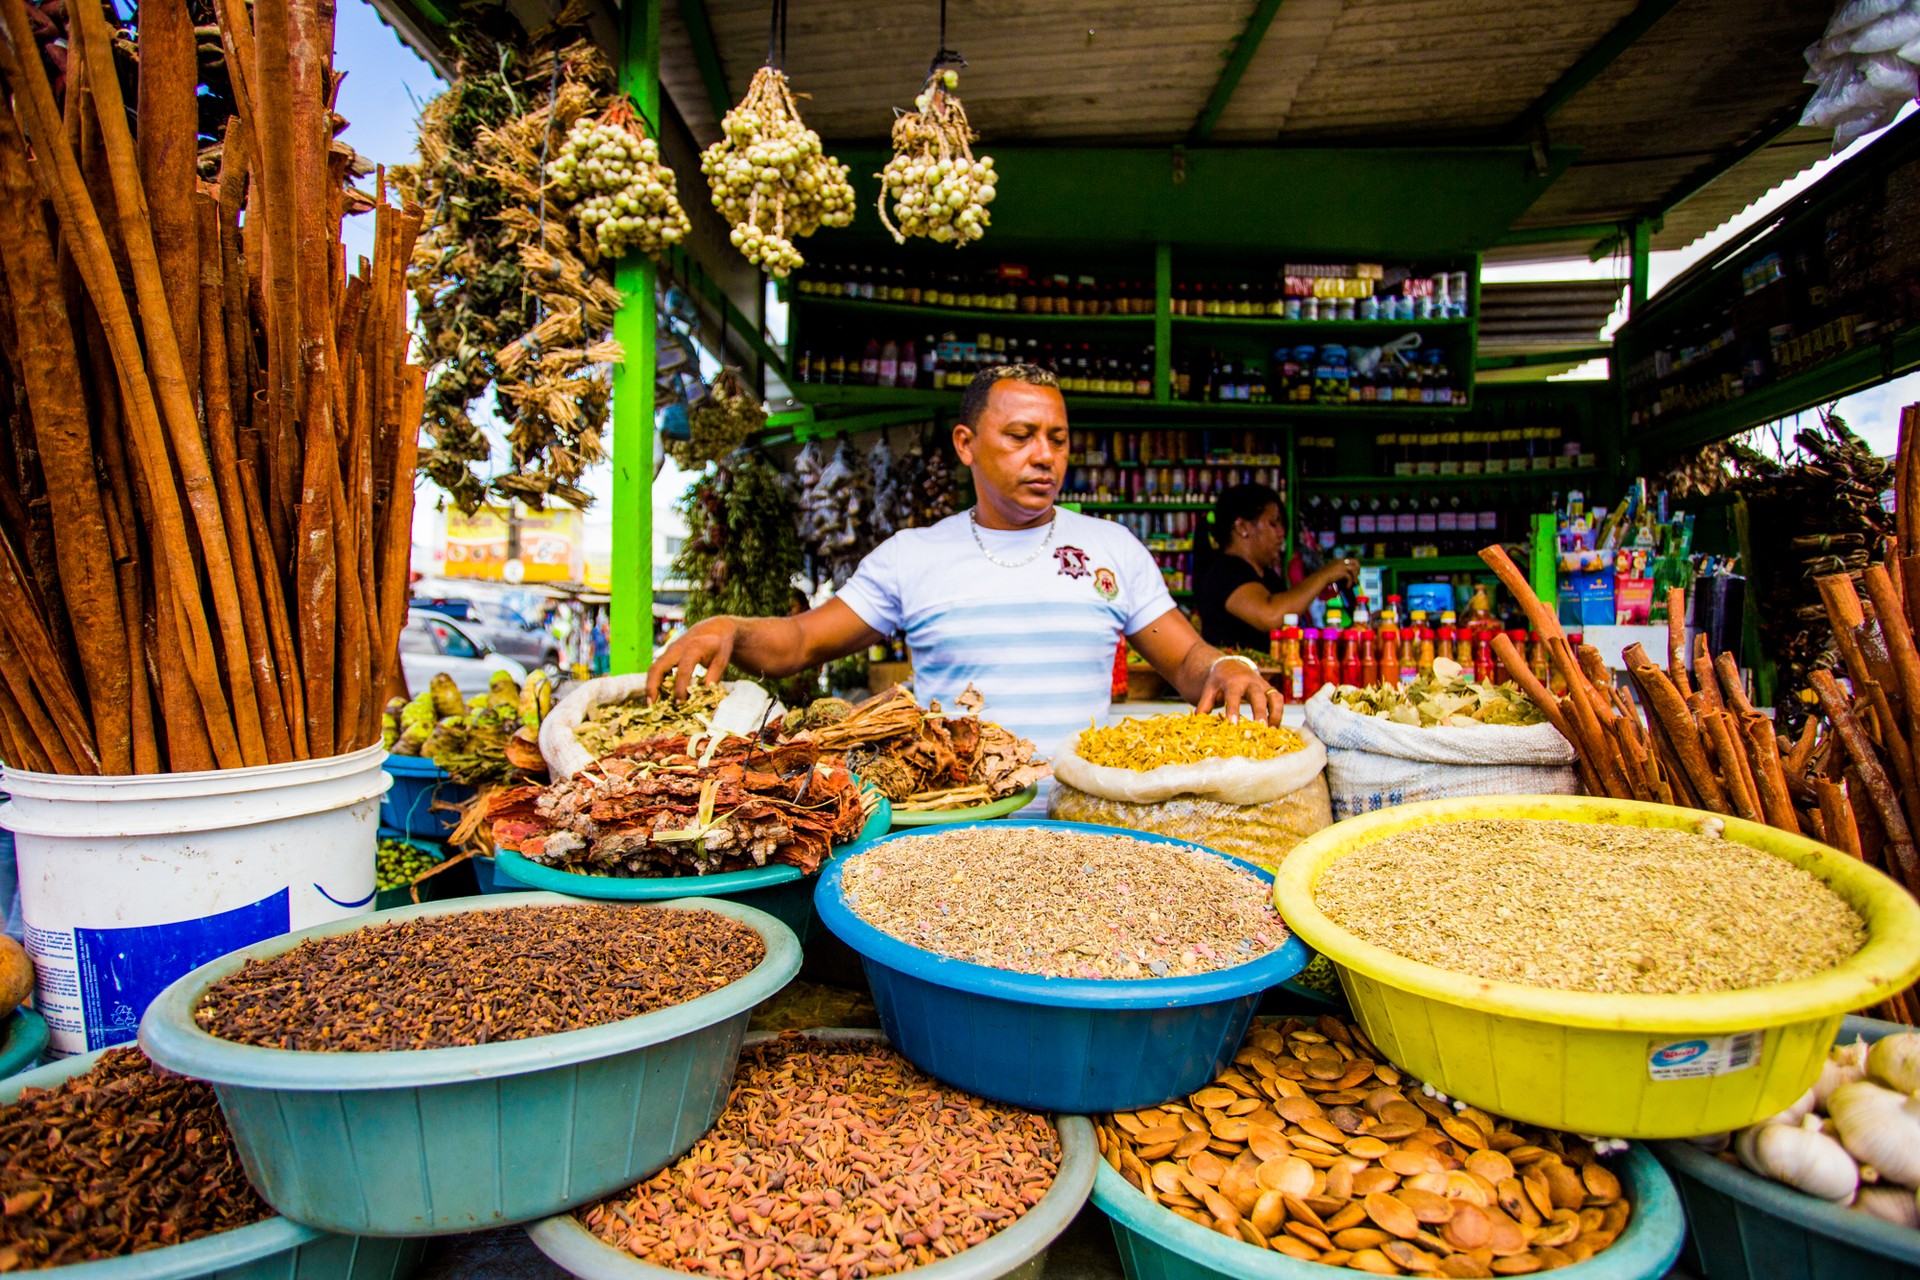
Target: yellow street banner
(479, 545)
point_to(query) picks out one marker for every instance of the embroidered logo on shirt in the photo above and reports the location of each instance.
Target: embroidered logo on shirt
(1106, 584)
(1072, 562)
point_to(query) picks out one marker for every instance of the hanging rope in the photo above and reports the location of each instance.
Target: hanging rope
(943, 56)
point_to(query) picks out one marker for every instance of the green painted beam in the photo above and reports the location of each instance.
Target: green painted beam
(1237, 63)
(1590, 65)
(1326, 200)
(1711, 172)
(706, 56)
(633, 328)
(1576, 355)
(1641, 249)
(1557, 235)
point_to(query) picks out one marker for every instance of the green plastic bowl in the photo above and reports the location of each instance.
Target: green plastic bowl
(781, 890)
(973, 813)
(1157, 1244)
(440, 1140)
(1741, 1226)
(272, 1250)
(1018, 1253)
(23, 1038)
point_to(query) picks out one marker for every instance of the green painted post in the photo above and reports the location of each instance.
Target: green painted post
(633, 329)
(1543, 568)
(1163, 322)
(1642, 245)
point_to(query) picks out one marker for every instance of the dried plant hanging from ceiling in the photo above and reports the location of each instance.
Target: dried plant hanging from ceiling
(535, 173)
(770, 176)
(936, 187)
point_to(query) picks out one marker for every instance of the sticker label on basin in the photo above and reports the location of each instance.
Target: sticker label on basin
(1703, 1056)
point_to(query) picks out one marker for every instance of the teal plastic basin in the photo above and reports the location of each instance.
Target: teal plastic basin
(1742, 1226)
(23, 1038)
(781, 891)
(440, 1140)
(1156, 1244)
(1018, 1253)
(272, 1250)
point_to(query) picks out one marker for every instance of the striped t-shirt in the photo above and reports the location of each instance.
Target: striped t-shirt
(1038, 641)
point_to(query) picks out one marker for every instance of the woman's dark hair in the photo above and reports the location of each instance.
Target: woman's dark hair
(1240, 502)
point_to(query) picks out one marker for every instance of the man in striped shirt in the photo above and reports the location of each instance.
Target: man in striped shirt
(1016, 597)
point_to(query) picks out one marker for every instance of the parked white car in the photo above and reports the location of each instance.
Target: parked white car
(431, 643)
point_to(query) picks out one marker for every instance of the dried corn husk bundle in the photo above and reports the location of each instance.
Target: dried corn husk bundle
(204, 537)
(937, 188)
(725, 419)
(920, 760)
(772, 179)
(510, 293)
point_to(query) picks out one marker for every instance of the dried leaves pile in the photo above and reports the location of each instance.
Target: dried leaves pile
(1447, 697)
(121, 1158)
(671, 807)
(924, 760)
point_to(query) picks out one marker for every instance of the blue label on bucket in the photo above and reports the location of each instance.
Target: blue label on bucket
(122, 970)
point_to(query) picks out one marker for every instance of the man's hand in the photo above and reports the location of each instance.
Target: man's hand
(709, 644)
(1231, 682)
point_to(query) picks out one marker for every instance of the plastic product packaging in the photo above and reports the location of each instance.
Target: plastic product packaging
(1376, 763)
(1863, 67)
(746, 708)
(1252, 809)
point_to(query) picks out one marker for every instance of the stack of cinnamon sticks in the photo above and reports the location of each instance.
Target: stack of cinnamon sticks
(207, 428)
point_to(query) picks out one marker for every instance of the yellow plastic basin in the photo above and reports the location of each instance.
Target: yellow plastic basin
(1628, 1066)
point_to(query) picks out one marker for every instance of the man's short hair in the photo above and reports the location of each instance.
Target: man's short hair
(973, 402)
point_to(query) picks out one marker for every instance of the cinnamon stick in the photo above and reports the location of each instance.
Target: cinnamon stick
(1741, 791)
(1677, 639)
(1703, 677)
(1510, 657)
(1667, 711)
(167, 151)
(1880, 792)
(1844, 614)
(1837, 818)
(1768, 778)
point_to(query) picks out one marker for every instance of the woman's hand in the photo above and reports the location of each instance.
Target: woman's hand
(1342, 570)
(1232, 681)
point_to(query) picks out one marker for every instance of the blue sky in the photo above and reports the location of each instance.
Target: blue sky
(386, 82)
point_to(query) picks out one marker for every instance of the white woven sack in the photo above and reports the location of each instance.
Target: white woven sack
(1232, 781)
(745, 708)
(1344, 729)
(1363, 781)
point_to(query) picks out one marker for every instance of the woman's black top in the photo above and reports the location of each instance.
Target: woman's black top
(1220, 577)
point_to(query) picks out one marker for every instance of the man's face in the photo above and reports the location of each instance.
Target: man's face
(1018, 449)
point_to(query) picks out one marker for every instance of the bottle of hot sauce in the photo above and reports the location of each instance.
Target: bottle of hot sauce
(1369, 653)
(1390, 642)
(1312, 673)
(1483, 654)
(1330, 644)
(1350, 644)
(1447, 638)
(1417, 660)
(1295, 684)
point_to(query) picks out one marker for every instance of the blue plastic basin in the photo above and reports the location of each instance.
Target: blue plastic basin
(488, 877)
(272, 1250)
(23, 1038)
(1018, 1253)
(439, 1140)
(1075, 1045)
(408, 805)
(1157, 1244)
(1746, 1227)
(781, 891)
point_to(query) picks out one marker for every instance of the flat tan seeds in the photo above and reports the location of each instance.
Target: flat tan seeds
(1580, 906)
(1414, 1186)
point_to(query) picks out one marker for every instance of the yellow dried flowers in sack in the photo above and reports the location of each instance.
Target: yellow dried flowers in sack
(1243, 788)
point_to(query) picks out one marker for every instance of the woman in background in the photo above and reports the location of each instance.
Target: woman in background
(1239, 591)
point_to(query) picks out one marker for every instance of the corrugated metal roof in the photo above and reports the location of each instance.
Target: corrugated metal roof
(1531, 317)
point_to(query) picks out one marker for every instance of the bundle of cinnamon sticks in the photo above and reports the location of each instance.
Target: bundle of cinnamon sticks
(1691, 737)
(207, 428)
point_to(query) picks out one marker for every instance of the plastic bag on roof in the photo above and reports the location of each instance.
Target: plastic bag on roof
(1859, 126)
(1889, 32)
(1858, 13)
(1841, 98)
(1890, 75)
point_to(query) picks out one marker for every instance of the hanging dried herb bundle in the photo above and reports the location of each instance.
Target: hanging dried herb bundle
(937, 188)
(509, 295)
(740, 556)
(727, 418)
(208, 428)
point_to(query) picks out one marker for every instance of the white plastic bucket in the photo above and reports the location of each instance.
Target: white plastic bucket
(128, 882)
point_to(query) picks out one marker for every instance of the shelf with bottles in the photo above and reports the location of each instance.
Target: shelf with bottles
(1312, 293)
(1373, 526)
(1241, 372)
(1009, 290)
(971, 315)
(842, 356)
(1167, 534)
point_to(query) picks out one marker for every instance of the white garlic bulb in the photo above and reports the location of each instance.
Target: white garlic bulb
(1881, 1128)
(1897, 1205)
(1844, 1064)
(1800, 1156)
(1802, 1108)
(1895, 1062)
